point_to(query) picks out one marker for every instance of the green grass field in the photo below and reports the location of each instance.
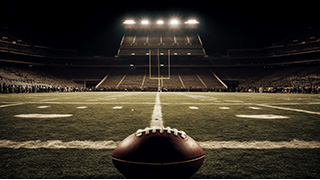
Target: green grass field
(96, 116)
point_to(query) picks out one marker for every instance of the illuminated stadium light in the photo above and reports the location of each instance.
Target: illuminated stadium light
(160, 22)
(174, 22)
(144, 22)
(192, 21)
(129, 21)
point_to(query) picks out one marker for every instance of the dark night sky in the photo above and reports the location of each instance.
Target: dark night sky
(95, 27)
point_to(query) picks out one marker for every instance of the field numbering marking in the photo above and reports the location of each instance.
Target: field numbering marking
(156, 120)
(58, 144)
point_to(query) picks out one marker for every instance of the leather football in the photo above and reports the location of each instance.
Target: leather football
(158, 153)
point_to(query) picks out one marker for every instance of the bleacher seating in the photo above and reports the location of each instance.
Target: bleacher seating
(292, 66)
(24, 80)
(181, 42)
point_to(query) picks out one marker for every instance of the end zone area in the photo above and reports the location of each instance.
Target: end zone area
(214, 117)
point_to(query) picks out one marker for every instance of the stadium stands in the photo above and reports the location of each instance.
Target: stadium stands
(28, 80)
(290, 66)
(183, 41)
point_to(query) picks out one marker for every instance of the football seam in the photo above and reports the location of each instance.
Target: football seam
(158, 164)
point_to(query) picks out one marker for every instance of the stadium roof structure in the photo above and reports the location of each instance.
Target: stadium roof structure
(146, 35)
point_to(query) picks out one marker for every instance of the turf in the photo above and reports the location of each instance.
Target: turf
(99, 121)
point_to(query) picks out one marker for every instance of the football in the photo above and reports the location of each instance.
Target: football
(158, 153)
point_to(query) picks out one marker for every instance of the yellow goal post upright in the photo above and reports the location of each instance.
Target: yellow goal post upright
(159, 76)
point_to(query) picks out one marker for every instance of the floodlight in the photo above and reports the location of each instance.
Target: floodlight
(160, 22)
(144, 22)
(129, 21)
(174, 22)
(192, 21)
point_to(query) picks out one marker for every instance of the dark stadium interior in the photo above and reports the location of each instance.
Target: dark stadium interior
(240, 78)
(244, 47)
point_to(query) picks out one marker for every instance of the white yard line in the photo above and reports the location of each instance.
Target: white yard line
(146, 103)
(199, 97)
(110, 144)
(52, 99)
(294, 144)
(156, 120)
(42, 115)
(263, 116)
(80, 103)
(224, 108)
(117, 107)
(193, 107)
(8, 105)
(58, 144)
(289, 109)
(254, 108)
(43, 107)
(82, 107)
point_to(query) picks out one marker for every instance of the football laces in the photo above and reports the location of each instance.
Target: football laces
(154, 130)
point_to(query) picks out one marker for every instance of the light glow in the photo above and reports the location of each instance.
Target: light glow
(129, 21)
(144, 22)
(160, 22)
(192, 21)
(174, 22)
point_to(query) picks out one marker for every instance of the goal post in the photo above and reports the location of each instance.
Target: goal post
(159, 75)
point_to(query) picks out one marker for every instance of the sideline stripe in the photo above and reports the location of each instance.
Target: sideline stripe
(289, 109)
(8, 105)
(156, 120)
(58, 144)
